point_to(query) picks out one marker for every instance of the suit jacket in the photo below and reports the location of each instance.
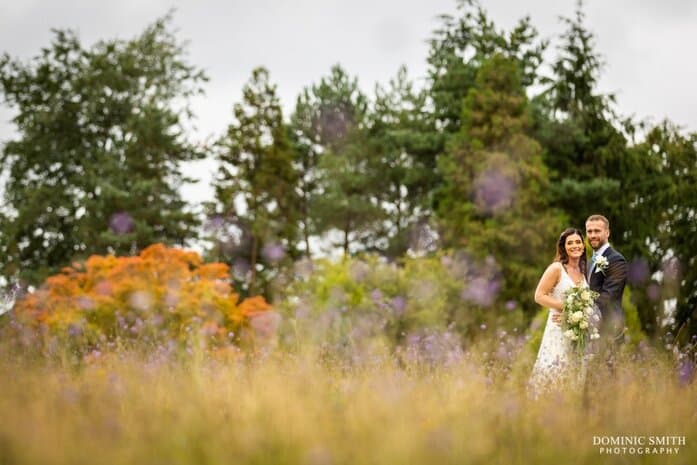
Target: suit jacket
(610, 285)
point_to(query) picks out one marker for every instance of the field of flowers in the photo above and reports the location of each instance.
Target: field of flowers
(281, 408)
(155, 359)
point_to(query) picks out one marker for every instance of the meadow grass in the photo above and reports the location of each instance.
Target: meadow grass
(124, 408)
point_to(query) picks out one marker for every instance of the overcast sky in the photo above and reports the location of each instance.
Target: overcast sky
(650, 64)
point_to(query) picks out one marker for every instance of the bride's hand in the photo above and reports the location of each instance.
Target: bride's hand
(556, 317)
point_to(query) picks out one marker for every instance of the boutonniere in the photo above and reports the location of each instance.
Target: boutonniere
(601, 264)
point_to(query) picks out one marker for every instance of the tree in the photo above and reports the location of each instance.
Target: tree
(96, 164)
(341, 192)
(585, 147)
(493, 200)
(305, 142)
(462, 44)
(403, 131)
(256, 170)
(663, 210)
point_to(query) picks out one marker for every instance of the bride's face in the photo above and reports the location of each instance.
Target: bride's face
(574, 246)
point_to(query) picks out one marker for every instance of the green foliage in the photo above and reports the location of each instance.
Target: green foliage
(95, 165)
(95, 168)
(359, 302)
(536, 331)
(494, 198)
(405, 136)
(255, 186)
(306, 148)
(583, 143)
(634, 332)
(341, 190)
(462, 44)
(646, 190)
(662, 207)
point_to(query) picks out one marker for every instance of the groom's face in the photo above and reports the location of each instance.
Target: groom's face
(597, 233)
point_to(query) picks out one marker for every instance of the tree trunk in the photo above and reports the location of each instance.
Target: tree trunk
(306, 223)
(347, 227)
(253, 264)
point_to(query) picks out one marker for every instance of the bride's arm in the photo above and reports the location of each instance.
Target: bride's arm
(549, 279)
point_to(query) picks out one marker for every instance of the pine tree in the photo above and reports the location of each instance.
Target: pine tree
(662, 208)
(307, 150)
(404, 133)
(462, 44)
(583, 138)
(256, 183)
(493, 201)
(341, 192)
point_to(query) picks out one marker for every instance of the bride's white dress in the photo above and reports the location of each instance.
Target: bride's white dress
(557, 364)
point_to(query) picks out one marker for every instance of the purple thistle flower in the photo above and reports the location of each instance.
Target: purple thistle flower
(214, 223)
(653, 292)
(493, 191)
(273, 252)
(638, 272)
(240, 268)
(121, 223)
(671, 269)
(686, 371)
(74, 330)
(481, 291)
(265, 324)
(399, 304)
(85, 303)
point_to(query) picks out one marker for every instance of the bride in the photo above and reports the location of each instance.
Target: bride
(556, 363)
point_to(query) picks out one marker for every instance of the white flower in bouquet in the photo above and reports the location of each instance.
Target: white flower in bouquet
(580, 316)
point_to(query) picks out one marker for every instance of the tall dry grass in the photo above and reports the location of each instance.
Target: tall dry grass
(283, 408)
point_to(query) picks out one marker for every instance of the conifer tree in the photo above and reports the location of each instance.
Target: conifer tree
(256, 182)
(493, 201)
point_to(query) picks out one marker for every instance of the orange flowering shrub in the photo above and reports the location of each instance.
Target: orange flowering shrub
(162, 295)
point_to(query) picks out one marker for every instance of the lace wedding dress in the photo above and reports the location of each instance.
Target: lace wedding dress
(557, 364)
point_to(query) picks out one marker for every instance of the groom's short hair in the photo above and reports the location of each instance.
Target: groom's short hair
(599, 218)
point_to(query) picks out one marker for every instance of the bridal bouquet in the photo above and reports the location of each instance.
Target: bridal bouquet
(579, 317)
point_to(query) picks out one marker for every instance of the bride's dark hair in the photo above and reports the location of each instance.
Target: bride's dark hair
(562, 256)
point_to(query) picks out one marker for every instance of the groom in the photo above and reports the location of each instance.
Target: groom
(607, 275)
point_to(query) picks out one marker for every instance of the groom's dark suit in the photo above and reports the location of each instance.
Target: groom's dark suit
(610, 285)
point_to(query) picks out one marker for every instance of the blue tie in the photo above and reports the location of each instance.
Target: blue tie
(590, 268)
